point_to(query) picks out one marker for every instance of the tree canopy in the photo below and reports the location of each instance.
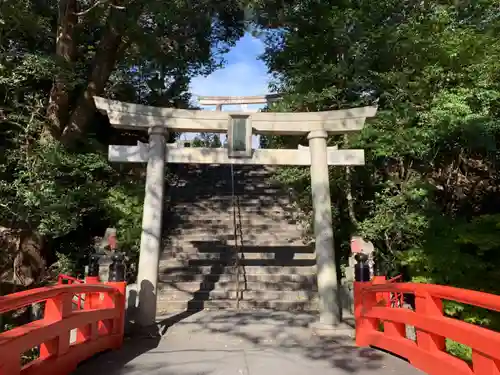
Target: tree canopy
(428, 197)
(55, 56)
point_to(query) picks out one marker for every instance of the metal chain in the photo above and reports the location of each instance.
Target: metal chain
(235, 231)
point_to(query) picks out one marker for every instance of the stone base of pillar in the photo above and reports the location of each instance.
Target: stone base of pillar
(137, 331)
(342, 330)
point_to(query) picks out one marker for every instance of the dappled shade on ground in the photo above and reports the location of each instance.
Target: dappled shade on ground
(244, 343)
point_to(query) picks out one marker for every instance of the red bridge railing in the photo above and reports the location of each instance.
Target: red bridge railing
(78, 299)
(96, 327)
(427, 353)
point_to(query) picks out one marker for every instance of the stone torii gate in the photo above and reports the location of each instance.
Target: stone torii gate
(239, 127)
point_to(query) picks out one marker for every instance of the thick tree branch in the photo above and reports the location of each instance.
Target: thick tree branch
(103, 65)
(57, 111)
(96, 4)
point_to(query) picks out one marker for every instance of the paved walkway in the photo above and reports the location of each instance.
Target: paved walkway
(251, 343)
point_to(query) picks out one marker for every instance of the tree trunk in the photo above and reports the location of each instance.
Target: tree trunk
(103, 65)
(58, 109)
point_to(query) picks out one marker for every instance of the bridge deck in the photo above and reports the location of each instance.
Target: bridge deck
(244, 343)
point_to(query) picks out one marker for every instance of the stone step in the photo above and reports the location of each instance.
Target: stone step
(280, 239)
(214, 242)
(187, 200)
(185, 245)
(209, 210)
(245, 218)
(257, 223)
(224, 174)
(304, 285)
(195, 230)
(224, 184)
(225, 199)
(247, 295)
(308, 267)
(202, 207)
(166, 307)
(200, 233)
(175, 263)
(249, 264)
(273, 231)
(220, 239)
(245, 208)
(218, 250)
(241, 188)
(228, 252)
(249, 170)
(178, 223)
(278, 279)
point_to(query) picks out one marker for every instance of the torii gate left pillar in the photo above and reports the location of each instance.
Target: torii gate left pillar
(152, 217)
(317, 126)
(329, 291)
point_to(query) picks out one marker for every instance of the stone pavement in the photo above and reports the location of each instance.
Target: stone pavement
(243, 343)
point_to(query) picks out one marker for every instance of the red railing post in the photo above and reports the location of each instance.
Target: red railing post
(56, 309)
(92, 300)
(382, 297)
(118, 325)
(482, 364)
(11, 364)
(428, 353)
(427, 305)
(363, 301)
(52, 333)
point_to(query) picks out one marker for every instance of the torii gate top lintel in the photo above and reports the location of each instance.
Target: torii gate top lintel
(137, 116)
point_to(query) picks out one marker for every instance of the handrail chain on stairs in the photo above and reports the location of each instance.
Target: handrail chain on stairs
(236, 229)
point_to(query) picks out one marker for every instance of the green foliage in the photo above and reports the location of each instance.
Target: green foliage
(70, 197)
(51, 190)
(428, 195)
(71, 194)
(459, 350)
(125, 207)
(207, 140)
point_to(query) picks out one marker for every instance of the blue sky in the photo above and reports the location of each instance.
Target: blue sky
(242, 75)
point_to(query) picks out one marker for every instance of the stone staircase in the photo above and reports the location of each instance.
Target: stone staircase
(203, 267)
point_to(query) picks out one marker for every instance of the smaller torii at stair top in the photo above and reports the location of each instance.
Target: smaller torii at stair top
(239, 127)
(219, 101)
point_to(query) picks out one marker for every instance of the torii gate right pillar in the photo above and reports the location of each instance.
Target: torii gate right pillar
(330, 307)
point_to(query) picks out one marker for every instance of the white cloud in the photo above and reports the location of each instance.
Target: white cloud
(241, 78)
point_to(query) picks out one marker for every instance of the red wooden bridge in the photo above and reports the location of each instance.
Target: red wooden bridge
(384, 327)
(83, 319)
